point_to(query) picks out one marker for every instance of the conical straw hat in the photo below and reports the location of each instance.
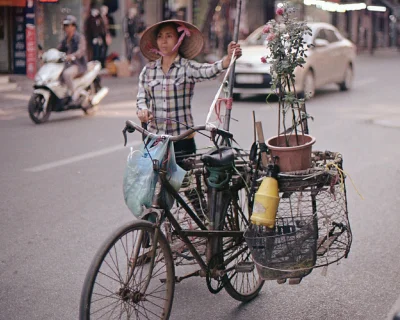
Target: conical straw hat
(191, 45)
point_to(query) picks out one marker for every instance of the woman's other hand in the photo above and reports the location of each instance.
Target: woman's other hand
(232, 47)
(144, 115)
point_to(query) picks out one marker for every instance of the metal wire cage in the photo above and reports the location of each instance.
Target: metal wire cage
(289, 251)
(312, 227)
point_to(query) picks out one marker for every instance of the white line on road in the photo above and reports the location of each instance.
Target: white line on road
(131, 104)
(81, 157)
(16, 96)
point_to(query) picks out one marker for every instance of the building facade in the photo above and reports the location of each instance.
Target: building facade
(26, 23)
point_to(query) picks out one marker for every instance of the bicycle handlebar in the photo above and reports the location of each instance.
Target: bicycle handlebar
(132, 127)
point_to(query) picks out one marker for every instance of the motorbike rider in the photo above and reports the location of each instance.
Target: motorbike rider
(74, 45)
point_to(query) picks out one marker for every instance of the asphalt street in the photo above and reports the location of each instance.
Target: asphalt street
(61, 197)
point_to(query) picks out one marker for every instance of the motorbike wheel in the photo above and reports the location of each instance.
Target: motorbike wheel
(35, 108)
(92, 90)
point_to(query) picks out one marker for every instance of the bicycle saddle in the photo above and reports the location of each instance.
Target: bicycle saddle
(221, 157)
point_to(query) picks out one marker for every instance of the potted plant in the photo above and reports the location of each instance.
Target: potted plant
(286, 51)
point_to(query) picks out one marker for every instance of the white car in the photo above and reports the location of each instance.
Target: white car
(330, 60)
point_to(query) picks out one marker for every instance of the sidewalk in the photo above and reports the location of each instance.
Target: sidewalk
(17, 97)
(391, 53)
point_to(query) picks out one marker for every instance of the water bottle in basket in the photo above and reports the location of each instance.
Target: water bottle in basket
(266, 199)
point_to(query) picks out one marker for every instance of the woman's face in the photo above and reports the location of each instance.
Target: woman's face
(167, 38)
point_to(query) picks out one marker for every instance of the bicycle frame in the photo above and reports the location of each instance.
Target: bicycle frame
(219, 207)
(219, 197)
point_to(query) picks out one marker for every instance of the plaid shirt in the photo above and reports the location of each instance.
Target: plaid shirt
(168, 96)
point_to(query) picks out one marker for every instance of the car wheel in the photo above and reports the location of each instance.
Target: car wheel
(308, 85)
(347, 79)
(236, 96)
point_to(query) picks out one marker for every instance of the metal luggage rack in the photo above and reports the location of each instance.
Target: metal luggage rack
(312, 228)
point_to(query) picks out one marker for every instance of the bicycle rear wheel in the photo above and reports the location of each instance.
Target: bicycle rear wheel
(241, 280)
(131, 277)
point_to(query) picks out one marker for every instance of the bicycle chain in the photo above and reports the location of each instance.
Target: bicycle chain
(209, 279)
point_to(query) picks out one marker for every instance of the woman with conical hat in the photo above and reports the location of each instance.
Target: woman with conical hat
(166, 83)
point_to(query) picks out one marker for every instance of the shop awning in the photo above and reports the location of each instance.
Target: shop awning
(13, 3)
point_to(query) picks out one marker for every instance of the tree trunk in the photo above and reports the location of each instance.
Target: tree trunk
(209, 18)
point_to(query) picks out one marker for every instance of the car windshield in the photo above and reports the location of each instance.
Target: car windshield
(258, 38)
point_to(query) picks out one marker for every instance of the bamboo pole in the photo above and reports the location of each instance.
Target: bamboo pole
(227, 118)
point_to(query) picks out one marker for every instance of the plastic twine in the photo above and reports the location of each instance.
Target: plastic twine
(342, 174)
(228, 105)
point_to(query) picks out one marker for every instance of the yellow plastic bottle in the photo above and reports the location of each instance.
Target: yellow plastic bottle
(266, 201)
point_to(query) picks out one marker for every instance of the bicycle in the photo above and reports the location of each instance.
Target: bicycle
(133, 273)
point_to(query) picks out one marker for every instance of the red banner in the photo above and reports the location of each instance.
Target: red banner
(30, 51)
(13, 3)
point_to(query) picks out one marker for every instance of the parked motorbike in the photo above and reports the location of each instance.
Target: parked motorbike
(51, 94)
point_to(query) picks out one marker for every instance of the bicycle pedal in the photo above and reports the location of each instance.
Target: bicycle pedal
(244, 267)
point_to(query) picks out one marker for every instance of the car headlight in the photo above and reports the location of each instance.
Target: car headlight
(38, 78)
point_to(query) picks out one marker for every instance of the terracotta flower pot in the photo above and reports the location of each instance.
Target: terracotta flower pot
(297, 157)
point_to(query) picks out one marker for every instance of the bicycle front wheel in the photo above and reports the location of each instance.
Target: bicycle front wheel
(131, 277)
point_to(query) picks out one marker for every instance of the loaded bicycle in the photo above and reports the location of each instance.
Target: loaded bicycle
(133, 274)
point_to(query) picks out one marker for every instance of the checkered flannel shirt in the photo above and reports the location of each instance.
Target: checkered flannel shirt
(168, 96)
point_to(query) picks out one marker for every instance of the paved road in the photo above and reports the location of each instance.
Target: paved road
(61, 196)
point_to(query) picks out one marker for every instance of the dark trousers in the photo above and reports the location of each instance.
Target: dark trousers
(97, 52)
(183, 148)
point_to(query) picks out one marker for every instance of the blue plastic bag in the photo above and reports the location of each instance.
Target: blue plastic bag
(139, 178)
(175, 176)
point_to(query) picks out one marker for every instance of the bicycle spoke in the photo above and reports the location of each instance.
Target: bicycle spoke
(105, 296)
(104, 287)
(141, 304)
(120, 280)
(106, 275)
(105, 307)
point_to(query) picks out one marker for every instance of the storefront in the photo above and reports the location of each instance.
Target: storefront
(8, 10)
(26, 23)
(176, 9)
(49, 17)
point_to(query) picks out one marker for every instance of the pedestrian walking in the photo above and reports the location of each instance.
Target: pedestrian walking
(95, 32)
(108, 38)
(130, 27)
(134, 26)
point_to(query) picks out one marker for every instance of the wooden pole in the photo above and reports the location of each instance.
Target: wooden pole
(227, 118)
(260, 134)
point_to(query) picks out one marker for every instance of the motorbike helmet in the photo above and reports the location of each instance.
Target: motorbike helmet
(70, 19)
